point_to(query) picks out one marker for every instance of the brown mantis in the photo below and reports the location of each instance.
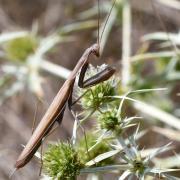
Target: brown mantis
(55, 111)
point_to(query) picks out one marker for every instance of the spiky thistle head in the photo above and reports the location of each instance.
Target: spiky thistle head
(109, 120)
(61, 161)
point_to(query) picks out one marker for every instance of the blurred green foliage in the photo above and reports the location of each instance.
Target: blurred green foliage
(19, 49)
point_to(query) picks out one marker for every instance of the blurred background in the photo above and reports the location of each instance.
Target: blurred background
(42, 40)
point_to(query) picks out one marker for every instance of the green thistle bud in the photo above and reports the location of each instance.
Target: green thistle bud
(61, 161)
(110, 122)
(20, 48)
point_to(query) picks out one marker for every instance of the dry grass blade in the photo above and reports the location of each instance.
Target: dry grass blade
(168, 162)
(153, 56)
(57, 70)
(126, 47)
(158, 114)
(169, 133)
(170, 3)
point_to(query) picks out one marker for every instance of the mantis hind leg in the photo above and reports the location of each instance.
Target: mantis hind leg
(41, 151)
(38, 102)
(60, 116)
(41, 148)
(35, 117)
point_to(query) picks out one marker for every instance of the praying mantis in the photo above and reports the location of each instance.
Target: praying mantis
(63, 98)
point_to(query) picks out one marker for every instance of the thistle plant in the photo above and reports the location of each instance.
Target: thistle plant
(61, 161)
(139, 165)
(111, 121)
(106, 147)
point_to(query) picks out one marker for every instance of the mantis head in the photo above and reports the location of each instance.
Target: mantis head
(95, 49)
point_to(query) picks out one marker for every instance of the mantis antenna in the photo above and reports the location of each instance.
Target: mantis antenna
(98, 21)
(114, 2)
